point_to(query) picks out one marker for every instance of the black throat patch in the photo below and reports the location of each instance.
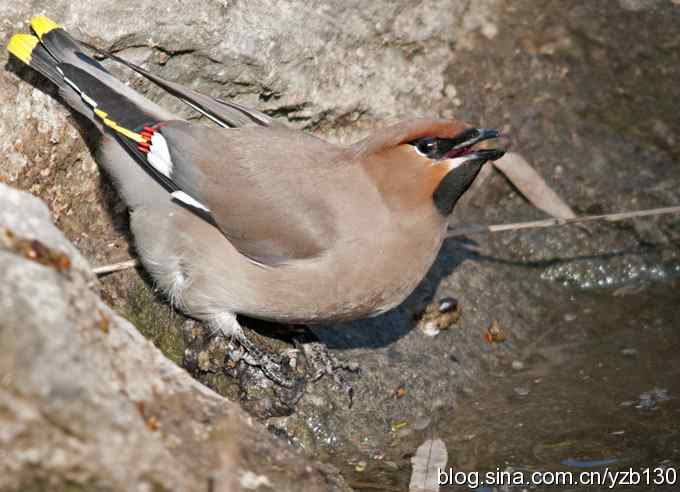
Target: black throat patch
(455, 184)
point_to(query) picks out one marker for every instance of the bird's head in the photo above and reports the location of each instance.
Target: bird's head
(426, 162)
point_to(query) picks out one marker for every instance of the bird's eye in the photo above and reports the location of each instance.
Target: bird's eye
(426, 146)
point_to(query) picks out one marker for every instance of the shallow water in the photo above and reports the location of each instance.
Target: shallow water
(598, 390)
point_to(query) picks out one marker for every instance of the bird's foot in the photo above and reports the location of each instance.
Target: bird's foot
(278, 368)
(282, 368)
(321, 362)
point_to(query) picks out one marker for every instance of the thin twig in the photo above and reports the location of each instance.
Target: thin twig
(477, 228)
(115, 267)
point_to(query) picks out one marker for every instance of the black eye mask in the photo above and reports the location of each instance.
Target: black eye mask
(448, 148)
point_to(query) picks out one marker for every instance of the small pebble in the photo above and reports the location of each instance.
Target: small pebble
(569, 317)
(431, 329)
(495, 333)
(630, 352)
(447, 304)
(439, 316)
(517, 365)
(521, 391)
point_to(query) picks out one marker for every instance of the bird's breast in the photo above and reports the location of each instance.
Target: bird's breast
(360, 278)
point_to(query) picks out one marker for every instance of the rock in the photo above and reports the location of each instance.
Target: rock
(338, 69)
(87, 403)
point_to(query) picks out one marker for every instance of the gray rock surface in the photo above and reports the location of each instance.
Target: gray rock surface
(87, 403)
(582, 97)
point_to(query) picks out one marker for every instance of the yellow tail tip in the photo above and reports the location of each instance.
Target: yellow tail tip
(41, 25)
(22, 45)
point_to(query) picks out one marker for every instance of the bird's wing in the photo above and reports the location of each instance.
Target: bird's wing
(229, 176)
(264, 188)
(261, 184)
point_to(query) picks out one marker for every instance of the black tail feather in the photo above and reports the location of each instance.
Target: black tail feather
(44, 63)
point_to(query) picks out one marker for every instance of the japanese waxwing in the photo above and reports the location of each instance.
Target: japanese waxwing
(248, 216)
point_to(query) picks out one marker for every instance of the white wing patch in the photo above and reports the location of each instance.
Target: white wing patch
(159, 155)
(184, 198)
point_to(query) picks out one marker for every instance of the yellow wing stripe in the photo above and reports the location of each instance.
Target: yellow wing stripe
(115, 126)
(124, 131)
(42, 25)
(22, 45)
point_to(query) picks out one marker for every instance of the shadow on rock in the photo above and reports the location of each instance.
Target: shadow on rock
(385, 329)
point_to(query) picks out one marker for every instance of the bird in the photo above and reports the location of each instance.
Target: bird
(240, 214)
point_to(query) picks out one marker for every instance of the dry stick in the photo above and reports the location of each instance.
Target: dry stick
(475, 228)
(115, 267)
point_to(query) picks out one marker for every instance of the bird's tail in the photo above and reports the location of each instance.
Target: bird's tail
(83, 82)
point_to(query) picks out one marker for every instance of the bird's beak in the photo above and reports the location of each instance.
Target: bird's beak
(461, 149)
(472, 136)
(488, 154)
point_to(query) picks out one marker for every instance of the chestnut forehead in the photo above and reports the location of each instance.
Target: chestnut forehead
(437, 129)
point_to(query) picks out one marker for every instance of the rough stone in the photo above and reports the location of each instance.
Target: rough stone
(87, 403)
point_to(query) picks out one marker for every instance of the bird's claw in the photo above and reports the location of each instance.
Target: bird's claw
(274, 367)
(321, 362)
